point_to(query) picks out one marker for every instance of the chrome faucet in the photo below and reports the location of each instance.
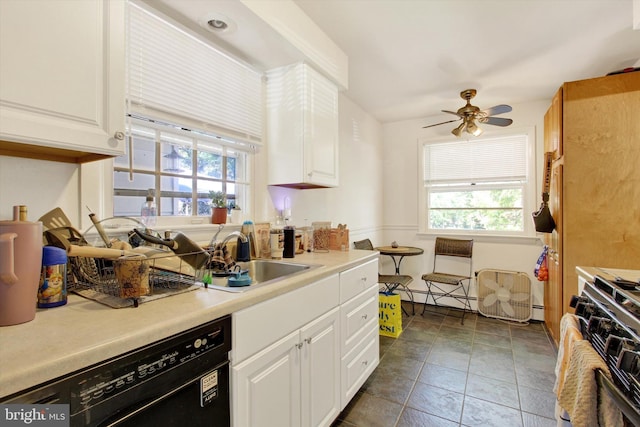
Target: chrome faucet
(243, 252)
(243, 238)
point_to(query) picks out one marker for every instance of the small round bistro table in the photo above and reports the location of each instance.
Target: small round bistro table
(400, 252)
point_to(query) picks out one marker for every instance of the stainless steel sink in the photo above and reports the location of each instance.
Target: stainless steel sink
(264, 272)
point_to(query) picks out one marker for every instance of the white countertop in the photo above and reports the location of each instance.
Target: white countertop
(81, 333)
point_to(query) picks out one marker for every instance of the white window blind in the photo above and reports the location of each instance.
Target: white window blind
(176, 77)
(495, 160)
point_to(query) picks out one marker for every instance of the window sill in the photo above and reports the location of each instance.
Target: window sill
(493, 238)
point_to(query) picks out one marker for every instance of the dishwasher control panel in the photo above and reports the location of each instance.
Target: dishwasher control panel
(132, 369)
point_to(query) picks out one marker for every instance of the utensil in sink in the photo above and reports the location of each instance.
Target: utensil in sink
(192, 253)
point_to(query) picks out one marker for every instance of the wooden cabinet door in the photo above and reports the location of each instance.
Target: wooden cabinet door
(62, 77)
(553, 293)
(320, 363)
(555, 133)
(266, 387)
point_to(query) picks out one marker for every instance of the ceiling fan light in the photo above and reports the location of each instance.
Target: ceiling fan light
(457, 131)
(473, 129)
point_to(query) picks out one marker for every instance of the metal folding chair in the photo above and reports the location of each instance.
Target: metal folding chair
(441, 284)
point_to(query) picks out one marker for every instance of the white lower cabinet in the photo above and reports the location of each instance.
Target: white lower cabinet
(294, 381)
(359, 328)
(298, 358)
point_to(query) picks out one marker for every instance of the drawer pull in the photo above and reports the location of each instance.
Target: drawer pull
(364, 317)
(307, 340)
(299, 345)
(365, 362)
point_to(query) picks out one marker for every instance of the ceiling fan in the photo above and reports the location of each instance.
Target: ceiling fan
(470, 113)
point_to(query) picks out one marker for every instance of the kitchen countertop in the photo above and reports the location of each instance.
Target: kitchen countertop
(83, 332)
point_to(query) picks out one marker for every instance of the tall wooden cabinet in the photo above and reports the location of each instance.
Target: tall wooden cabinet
(593, 130)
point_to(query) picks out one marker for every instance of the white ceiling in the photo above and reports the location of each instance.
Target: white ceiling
(411, 58)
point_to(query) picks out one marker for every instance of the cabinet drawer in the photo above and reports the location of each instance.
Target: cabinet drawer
(358, 365)
(256, 327)
(357, 317)
(357, 280)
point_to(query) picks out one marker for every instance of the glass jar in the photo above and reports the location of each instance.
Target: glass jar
(321, 236)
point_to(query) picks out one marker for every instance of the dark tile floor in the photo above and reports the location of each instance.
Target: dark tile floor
(440, 373)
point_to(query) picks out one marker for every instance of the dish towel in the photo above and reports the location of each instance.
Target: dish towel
(579, 395)
(569, 332)
(221, 259)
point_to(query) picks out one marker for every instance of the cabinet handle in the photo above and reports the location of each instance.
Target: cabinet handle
(364, 279)
(364, 317)
(365, 362)
(299, 345)
(307, 340)
(119, 136)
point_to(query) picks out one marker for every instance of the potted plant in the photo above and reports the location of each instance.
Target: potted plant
(218, 207)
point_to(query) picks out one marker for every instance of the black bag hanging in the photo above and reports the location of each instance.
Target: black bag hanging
(542, 219)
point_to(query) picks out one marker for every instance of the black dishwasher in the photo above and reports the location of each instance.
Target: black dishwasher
(181, 380)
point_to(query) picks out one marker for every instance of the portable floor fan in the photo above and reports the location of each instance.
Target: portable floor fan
(505, 295)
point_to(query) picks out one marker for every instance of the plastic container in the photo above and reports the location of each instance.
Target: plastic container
(148, 212)
(277, 243)
(20, 266)
(52, 290)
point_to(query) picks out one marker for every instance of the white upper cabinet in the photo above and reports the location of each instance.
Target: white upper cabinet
(302, 120)
(62, 79)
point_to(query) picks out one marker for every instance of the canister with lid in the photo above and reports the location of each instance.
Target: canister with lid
(52, 291)
(289, 242)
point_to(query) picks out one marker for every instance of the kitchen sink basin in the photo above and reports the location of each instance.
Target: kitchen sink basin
(264, 272)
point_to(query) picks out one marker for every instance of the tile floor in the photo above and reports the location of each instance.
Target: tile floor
(440, 373)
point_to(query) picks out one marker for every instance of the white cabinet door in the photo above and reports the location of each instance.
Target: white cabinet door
(62, 76)
(266, 387)
(294, 382)
(321, 370)
(302, 127)
(321, 131)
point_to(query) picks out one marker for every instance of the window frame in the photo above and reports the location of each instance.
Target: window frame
(97, 178)
(159, 134)
(529, 186)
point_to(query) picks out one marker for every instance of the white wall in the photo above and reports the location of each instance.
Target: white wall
(400, 189)
(40, 185)
(358, 200)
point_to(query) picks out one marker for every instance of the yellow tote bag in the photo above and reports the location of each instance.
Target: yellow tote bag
(390, 315)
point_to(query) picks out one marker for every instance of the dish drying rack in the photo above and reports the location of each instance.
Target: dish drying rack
(132, 279)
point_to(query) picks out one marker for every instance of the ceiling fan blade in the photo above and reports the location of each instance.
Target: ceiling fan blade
(498, 109)
(438, 124)
(496, 121)
(454, 113)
